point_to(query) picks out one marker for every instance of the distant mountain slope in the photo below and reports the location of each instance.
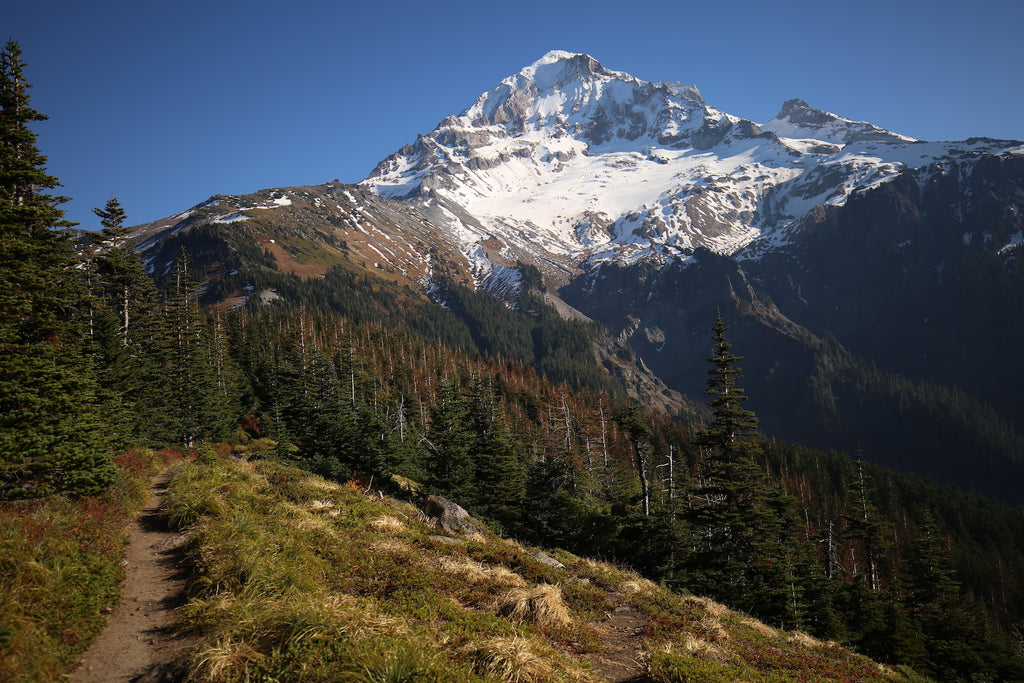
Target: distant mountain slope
(873, 281)
(340, 249)
(305, 230)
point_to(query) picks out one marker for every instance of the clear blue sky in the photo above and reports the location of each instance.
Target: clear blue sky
(167, 103)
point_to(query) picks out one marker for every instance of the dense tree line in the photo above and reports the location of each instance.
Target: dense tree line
(495, 408)
(525, 329)
(50, 439)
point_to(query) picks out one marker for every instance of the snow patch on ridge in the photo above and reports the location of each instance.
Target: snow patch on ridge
(234, 217)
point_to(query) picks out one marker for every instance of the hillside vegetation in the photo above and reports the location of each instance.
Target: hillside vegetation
(297, 577)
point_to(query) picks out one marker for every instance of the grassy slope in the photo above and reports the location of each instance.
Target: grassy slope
(297, 578)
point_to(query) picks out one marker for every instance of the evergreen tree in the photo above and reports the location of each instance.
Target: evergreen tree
(451, 440)
(733, 427)
(740, 523)
(954, 641)
(121, 279)
(867, 529)
(632, 422)
(112, 217)
(933, 589)
(187, 401)
(498, 471)
(50, 435)
(123, 320)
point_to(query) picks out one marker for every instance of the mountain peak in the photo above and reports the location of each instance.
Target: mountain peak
(553, 56)
(567, 163)
(798, 111)
(558, 68)
(797, 119)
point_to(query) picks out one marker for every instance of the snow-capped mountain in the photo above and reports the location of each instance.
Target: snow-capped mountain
(569, 164)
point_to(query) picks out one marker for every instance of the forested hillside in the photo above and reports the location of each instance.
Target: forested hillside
(502, 410)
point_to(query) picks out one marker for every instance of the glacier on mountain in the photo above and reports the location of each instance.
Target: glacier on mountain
(571, 164)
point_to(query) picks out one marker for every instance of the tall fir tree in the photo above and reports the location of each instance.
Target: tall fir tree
(122, 321)
(638, 433)
(955, 635)
(499, 477)
(867, 529)
(740, 524)
(121, 278)
(50, 434)
(450, 441)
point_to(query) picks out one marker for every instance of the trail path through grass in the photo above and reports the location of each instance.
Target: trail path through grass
(621, 633)
(139, 642)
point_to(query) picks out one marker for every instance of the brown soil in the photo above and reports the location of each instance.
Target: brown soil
(140, 642)
(621, 634)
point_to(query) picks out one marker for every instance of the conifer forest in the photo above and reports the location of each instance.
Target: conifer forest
(499, 408)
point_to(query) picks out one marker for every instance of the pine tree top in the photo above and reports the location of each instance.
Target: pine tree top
(731, 421)
(23, 177)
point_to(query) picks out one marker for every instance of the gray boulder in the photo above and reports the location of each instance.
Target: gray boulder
(451, 517)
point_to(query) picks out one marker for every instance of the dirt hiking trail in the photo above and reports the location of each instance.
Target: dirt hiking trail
(139, 642)
(141, 645)
(621, 633)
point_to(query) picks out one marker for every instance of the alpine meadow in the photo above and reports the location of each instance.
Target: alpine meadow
(593, 382)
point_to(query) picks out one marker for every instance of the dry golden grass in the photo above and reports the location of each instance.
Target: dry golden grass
(475, 572)
(760, 627)
(710, 607)
(542, 605)
(318, 484)
(320, 506)
(637, 585)
(468, 570)
(392, 546)
(302, 519)
(504, 576)
(510, 659)
(271, 600)
(804, 640)
(214, 660)
(711, 629)
(702, 649)
(386, 524)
